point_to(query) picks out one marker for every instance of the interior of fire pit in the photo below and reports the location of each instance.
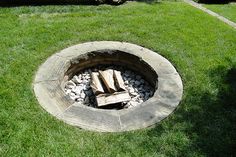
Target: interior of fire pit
(139, 80)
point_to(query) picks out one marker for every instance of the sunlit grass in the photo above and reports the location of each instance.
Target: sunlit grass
(201, 47)
(226, 10)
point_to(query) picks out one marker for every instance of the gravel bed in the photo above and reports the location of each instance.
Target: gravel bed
(78, 88)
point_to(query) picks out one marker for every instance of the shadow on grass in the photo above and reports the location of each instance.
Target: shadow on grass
(17, 3)
(216, 1)
(211, 118)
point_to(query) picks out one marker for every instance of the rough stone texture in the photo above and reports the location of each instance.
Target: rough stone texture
(58, 64)
(91, 118)
(50, 79)
(150, 112)
(51, 97)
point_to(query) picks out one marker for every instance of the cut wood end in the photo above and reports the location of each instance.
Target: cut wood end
(119, 81)
(96, 84)
(108, 79)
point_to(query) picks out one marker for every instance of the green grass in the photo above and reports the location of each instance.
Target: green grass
(201, 47)
(226, 10)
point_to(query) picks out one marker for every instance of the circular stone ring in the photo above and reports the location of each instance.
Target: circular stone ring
(51, 77)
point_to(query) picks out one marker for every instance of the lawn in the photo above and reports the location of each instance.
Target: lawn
(201, 47)
(226, 10)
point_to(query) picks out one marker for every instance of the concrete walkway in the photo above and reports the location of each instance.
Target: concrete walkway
(199, 6)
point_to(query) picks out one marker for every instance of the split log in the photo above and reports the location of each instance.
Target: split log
(108, 79)
(96, 83)
(119, 81)
(106, 99)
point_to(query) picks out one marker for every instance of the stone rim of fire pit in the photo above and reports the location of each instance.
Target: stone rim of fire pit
(49, 91)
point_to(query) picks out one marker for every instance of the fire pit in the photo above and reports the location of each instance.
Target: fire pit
(108, 86)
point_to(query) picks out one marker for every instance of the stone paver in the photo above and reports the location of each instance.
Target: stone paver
(221, 18)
